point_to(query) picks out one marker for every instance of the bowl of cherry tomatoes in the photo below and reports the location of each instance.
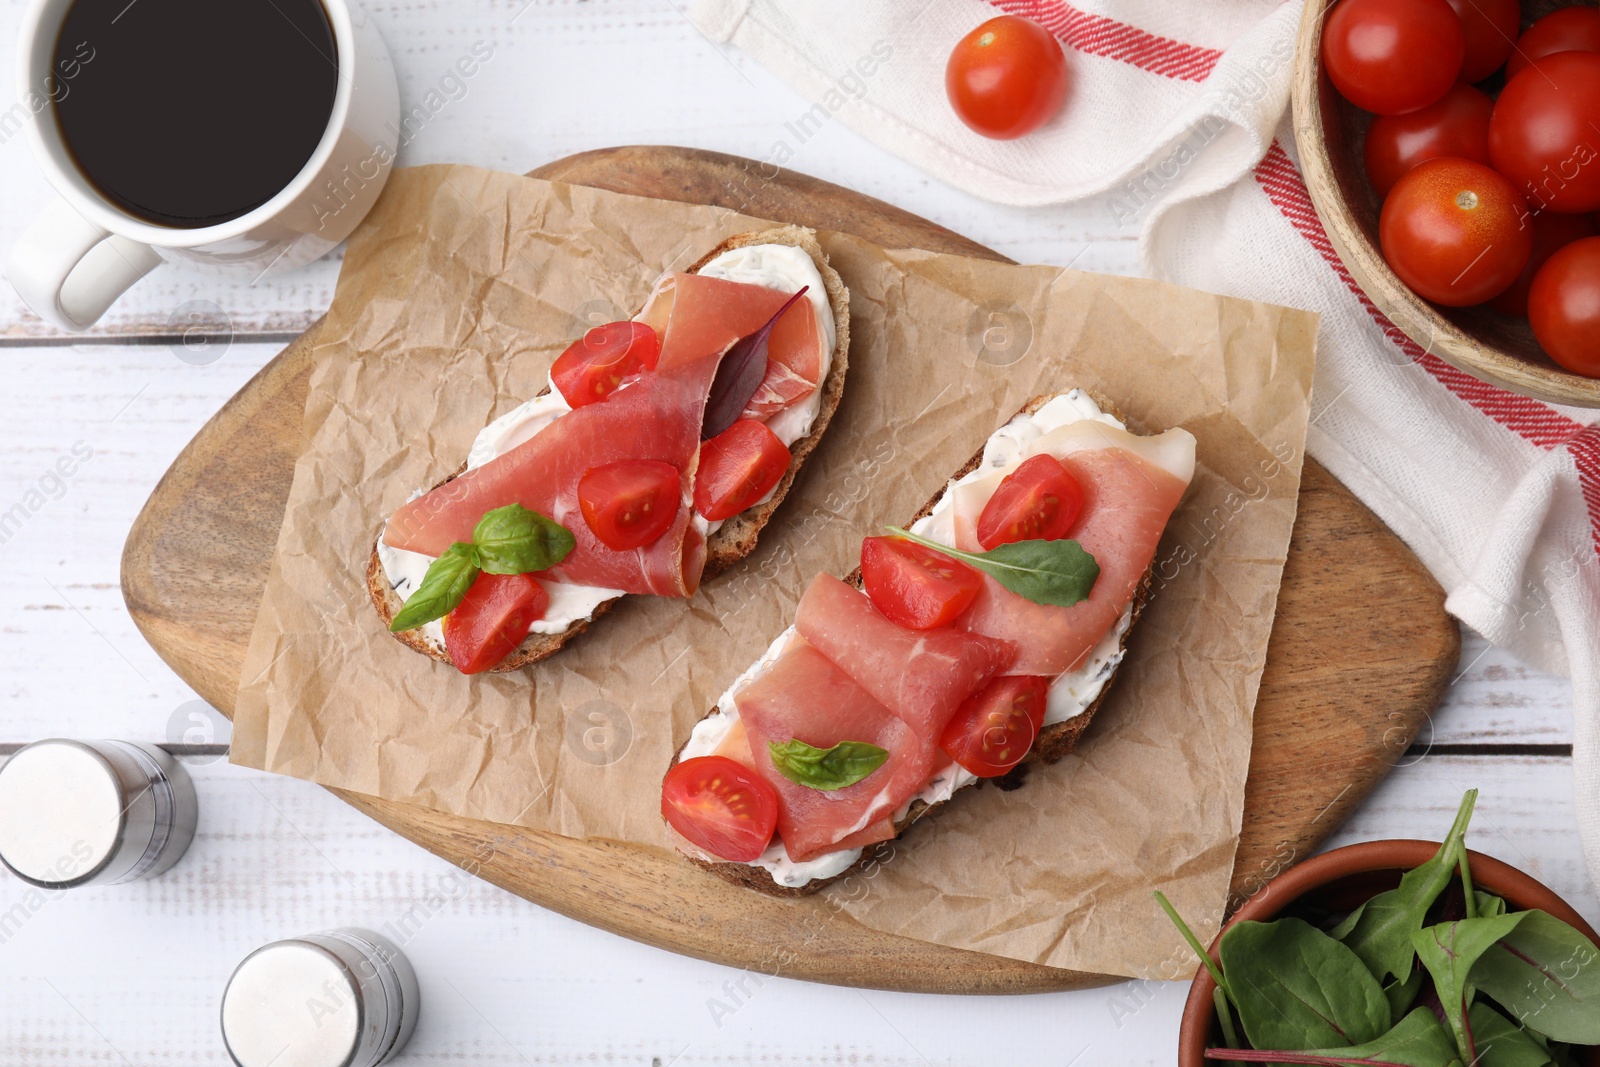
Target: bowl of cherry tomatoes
(1452, 151)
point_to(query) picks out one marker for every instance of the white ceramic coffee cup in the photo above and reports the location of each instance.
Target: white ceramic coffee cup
(83, 251)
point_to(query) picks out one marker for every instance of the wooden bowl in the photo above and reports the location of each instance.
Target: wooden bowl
(1329, 131)
(1340, 880)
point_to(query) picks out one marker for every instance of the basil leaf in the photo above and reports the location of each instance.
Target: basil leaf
(443, 587)
(1449, 950)
(1416, 1041)
(1380, 931)
(826, 769)
(1502, 1043)
(1046, 572)
(1547, 974)
(514, 540)
(1297, 988)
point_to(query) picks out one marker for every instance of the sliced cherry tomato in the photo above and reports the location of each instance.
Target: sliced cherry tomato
(593, 366)
(631, 503)
(1006, 78)
(1551, 233)
(1542, 135)
(1455, 231)
(492, 619)
(914, 586)
(726, 809)
(995, 727)
(738, 467)
(1393, 56)
(1567, 29)
(1039, 501)
(1456, 124)
(1564, 307)
(1490, 28)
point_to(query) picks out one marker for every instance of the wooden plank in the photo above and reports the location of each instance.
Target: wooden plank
(198, 554)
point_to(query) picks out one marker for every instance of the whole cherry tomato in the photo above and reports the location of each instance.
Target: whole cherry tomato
(914, 586)
(1543, 134)
(1457, 124)
(1551, 233)
(1007, 77)
(725, 808)
(1564, 307)
(1393, 56)
(1455, 231)
(1567, 29)
(1491, 31)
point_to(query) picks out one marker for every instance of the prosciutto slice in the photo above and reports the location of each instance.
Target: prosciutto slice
(656, 417)
(803, 695)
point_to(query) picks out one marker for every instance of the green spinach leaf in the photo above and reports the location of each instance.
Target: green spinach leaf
(1297, 988)
(443, 587)
(1502, 1043)
(1046, 572)
(826, 769)
(1402, 995)
(1448, 951)
(1547, 974)
(1416, 1041)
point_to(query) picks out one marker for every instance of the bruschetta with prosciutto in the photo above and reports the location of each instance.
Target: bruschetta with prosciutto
(658, 451)
(982, 637)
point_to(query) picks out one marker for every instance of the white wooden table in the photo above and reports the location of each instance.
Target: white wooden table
(133, 974)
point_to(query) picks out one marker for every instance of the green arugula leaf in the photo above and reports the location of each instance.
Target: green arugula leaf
(1046, 572)
(1547, 974)
(514, 540)
(826, 769)
(1416, 1041)
(1448, 951)
(1380, 931)
(1297, 988)
(1502, 1043)
(443, 587)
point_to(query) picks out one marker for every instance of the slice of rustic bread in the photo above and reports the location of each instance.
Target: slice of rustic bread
(1054, 741)
(735, 538)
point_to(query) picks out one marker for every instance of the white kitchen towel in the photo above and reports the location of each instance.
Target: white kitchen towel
(1179, 112)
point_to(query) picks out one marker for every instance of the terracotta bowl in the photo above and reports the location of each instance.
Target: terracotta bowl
(1340, 880)
(1329, 131)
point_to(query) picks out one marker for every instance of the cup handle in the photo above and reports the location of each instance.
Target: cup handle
(69, 271)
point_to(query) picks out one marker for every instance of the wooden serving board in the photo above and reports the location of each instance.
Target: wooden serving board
(1360, 651)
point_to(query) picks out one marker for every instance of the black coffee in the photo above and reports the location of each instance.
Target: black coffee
(193, 112)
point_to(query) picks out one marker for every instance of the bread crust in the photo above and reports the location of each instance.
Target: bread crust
(1054, 741)
(736, 537)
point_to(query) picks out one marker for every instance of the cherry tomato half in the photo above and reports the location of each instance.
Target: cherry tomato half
(726, 809)
(1006, 78)
(1543, 136)
(1456, 124)
(995, 727)
(1393, 56)
(492, 619)
(1490, 28)
(1567, 29)
(631, 503)
(1455, 231)
(1564, 307)
(594, 365)
(738, 467)
(914, 586)
(1551, 233)
(1039, 501)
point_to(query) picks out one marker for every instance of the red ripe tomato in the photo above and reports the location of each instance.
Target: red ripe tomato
(1039, 501)
(1393, 56)
(592, 367)
(492, 619)
(631, 503)
(995, 727)
(738, 467)
(723, 807)
(1491, 28)
(1543, 134)
(1567, 29)
(1564, 307)
(1006, 78)
(1551, 233)
(916, 586)
(1455, 231)
(1457, 124)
